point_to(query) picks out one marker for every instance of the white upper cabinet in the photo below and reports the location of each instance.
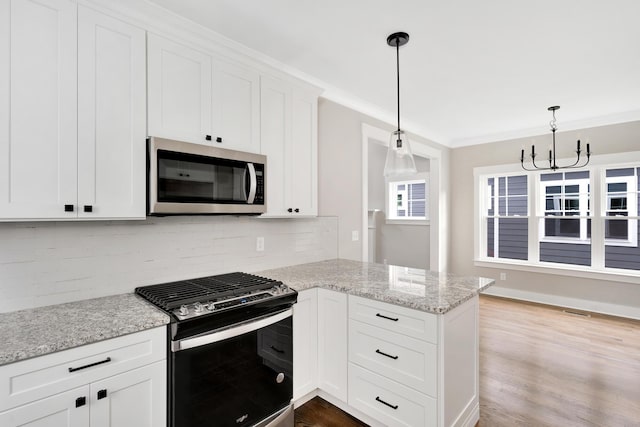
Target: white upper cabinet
(58, 161)
(288, 132)
(236, 107)
(111, 117)
(198, 98)
(179, 91)
(38, 109)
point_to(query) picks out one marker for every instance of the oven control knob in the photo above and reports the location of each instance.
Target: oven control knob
(211, 306)
(280, 377)
(184, 310)
(199, 307)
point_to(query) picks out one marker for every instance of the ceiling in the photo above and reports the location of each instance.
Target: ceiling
(472, 72)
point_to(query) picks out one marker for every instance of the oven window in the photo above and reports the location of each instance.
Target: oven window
(236, 382)
(189, 178)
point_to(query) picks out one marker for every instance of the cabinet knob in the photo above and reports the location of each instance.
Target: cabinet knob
(208, 137)
(297, 210)
(88, 208)
(289, 210)
(68, 208)
(218, 139)
(81, 401)
(102, 394)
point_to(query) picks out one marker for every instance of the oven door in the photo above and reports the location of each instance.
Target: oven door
(239, 376)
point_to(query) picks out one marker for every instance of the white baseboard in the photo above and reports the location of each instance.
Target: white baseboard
(568, 302)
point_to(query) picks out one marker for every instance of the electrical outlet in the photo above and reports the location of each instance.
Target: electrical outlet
(260, 244)
(503, 276)
(355, 236)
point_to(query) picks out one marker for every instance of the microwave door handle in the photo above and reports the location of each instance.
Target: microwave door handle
(253, 183)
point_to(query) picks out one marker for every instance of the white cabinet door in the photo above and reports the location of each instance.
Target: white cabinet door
(305, 343)
(111, 117)
(332, 343)
(275, 134)
(132, 399)
(60, 410)
(304, 154)
(289, 139)
(179, 91)
(38, 108)
(236, 107)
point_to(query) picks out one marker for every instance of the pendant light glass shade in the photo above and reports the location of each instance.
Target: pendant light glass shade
(399, 157)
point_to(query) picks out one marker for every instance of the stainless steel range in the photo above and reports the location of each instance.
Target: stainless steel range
(230, 350)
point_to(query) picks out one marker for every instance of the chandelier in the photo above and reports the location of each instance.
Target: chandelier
(552, 153)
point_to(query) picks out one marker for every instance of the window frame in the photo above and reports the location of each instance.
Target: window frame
(598, 186)
(389, 198)
(583, 210)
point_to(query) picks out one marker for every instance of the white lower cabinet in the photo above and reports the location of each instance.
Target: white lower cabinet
(135, 398)
(388, 401)
(386, 364)
(332, 343)
(305, 343)
(119, 382)
(393, 363)
(58, 410)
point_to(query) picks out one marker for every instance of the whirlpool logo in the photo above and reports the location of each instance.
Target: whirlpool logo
(242, 418)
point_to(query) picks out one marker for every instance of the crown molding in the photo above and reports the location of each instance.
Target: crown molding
(611, 119)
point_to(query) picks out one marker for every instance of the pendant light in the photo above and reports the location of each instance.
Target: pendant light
(399, 158)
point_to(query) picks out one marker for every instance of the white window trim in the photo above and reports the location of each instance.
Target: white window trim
(583, 198)
(632, 210)
(413, 178)
(597, 269)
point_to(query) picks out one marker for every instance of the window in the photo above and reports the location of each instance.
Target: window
(584, 219)
(408, 200)
(507, 226)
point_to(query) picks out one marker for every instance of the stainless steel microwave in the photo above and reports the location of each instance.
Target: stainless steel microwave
(194, 179)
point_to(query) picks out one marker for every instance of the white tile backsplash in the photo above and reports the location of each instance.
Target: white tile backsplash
(54, 262)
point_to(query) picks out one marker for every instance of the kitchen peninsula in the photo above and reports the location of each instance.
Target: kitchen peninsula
(391, 345)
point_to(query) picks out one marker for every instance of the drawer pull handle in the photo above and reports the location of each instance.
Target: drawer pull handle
(277, 350)
(102, 394)
(385, 403)
(107, 360)
(385, 354)
(395, 319)
(81, 401)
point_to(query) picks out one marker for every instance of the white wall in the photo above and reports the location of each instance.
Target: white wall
(607, 296)
(53, 262)
(340, 171)
(397, 244)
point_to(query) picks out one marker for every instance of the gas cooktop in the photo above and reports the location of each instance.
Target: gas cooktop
(187, 299)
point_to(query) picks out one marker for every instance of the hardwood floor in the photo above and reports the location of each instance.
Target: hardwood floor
(319, 413)
(542, 367)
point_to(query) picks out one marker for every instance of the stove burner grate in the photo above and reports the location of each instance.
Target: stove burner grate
(171, 295)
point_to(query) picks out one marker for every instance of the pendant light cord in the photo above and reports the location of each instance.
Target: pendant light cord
(398, 80)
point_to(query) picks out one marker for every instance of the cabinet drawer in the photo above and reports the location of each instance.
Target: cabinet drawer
(409, 361)
(414, 323)
(39, 377)
(389, 402)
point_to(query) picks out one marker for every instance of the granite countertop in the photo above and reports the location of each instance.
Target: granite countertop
(414, 288)
(42, 330)
(38, 331)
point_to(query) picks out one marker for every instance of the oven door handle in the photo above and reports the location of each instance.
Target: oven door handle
(234, 331)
